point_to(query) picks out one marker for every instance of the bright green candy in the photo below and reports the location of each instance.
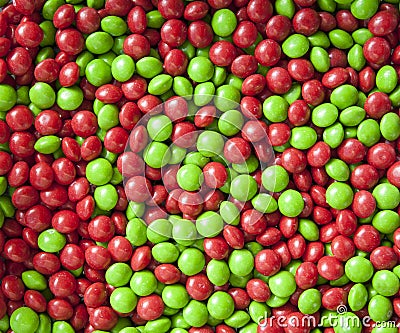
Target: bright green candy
(275, 109)
(339, 195)
(99, 171)
(98, 72)
(99, 42)
(324, 115)
(136, 232)
(356, 58)
(47, 144)
(83, 60)
(118, 274)
(258, 310)
(275, 178)
(24, 320)
(210, 143)
(359, 269)
(230, 122)
(200, 69)
(385, 327)
(190, 177)
(184, 232)
(386, 221)
(51, 240)
(340, 39)
(196, 158)
(348, 323)
(195, 313)
(209, 224)
(69, 98)
(44, 324)
(41, 94)
(161, 325)
(203, 93)
(368, 132)
(264, 203)
(337, 169)
(319, 39)
(386, 283)
(157, 155)
(333, 135)
(220, 305)
(241, 262)
(154, 19)
(178, 154)
(108, 117)
(106, 197)
(175, 296)
(390, 126)
(182, 86)
(123, 300)
(360, 36)
(285, 8)
(62, 327)
(238, 319)
(293, 94)
(8, 97)
(191, 261)
(282, 284)
(143, 283)
(122, 68)
(309, 301)
(5, 323)
(224, 22)
(159, 230)
(344, 96)
(160, 84)
(295, 46)
(34, 280)
(234, 81)
(352, 116)
(290, 203)
(358, 297)
(243, 187)
(380, 308)
(229, 212)
(309, 230)
(114, 25)
(159, 127)
(165, 252)
(49, 34)
(386, 79)
(227, 98)
(219, 76)
(239, 281)
(303, 137)
(364, 9)
(387, 196)
(249, 166)
(276, 301)
(218, 272)
(149, 67)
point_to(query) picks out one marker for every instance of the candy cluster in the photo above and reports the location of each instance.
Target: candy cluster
(199, 166)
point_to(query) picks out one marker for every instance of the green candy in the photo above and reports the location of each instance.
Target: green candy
(387, 196)
(337, 169)
(69, 98)
(123, 300)
(386, 79)
(340, 39)
(143, 283)
(8, 97)
(203, 93)
(159, 128)
(114, 25)
(275, 178)
(41, 94)
(218, 272)
(230, 122)
(175, 296)
(136, 232)
(339, 195)
(24, 320)
(344, 96)
(223, 22)
(390, 126)
(368, 132)
(285, 8)
(200, 69)
(149, 67)
(195, 313)
(106, 197)
(165, 252)
(159, 230)
(295, 46)
(118, 274)
(352, 116)
(309, 301)
(98, 72)
(282, 284)
(154, 19)
(122, 68)
(360, 36)
(309, 230)
(157, 155)
(358, 297)
(227, 98)
(319, 39)
(243, 188)
(190, 177)
(191, 261)
(160, 84)
(290, 203)
(333, 135)
(229, 212)
(220, 305)
(275, 109)
(386, 283)
(380, 308)
(386, 221)
(264, 203)
(34, 280)
(238, 319)
(210, 143)
(303, 137)
(209, 224)
(359, 269)
(348, 322)
(182, 86)
(241, 262)
(47, 144)
(51, 240)
(364, 9)
(99, 171)
(356, 58)
(324, 115)
(184, 232)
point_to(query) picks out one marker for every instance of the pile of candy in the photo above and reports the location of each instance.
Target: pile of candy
(199, 166)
